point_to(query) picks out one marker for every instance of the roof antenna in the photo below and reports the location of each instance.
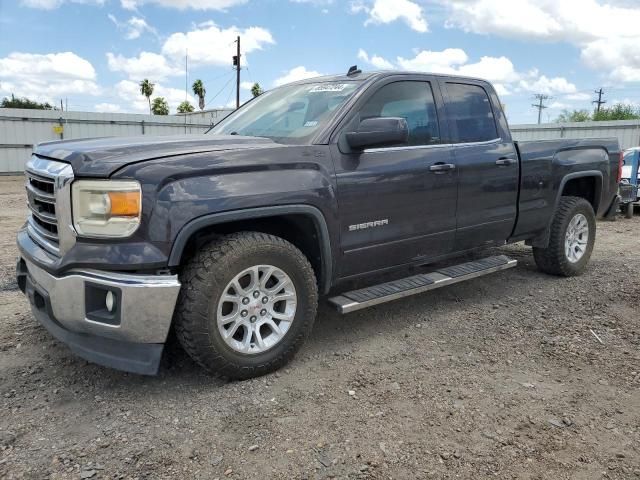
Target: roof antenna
(353, 70)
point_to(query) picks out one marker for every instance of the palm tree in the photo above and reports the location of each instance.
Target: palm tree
(185, 107)
(199, 90)
(160, 106)
(256, 90)
(146, 89)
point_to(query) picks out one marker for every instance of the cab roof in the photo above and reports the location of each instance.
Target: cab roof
(363, 76)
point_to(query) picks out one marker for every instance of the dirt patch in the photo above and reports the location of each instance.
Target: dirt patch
(498, 377)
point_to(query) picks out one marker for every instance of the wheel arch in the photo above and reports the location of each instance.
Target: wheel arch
(291, 222)
(587, 185)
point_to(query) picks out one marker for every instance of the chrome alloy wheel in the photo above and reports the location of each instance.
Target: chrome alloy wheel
(577, 238)
(256, 309)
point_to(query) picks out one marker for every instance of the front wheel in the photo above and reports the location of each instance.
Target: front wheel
(247, 303)
(572, 236)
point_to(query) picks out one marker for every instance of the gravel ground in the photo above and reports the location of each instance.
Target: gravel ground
(497, 377)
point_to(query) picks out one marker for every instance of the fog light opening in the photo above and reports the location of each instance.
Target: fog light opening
(110, 301)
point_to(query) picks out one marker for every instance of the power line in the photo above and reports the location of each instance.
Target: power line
(219, 91)
(599, 102)
(541, 97)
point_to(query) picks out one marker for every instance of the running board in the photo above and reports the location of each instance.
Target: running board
(386, 292)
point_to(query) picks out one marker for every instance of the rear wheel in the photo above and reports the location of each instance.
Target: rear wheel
(246, 305)
(572, 236)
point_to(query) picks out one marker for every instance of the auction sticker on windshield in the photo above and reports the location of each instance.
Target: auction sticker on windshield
(329, 87)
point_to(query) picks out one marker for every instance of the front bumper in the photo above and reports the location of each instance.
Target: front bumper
(72, 308)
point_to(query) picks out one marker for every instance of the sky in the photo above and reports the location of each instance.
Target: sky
(93, 53)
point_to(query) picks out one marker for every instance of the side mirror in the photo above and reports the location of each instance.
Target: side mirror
(379, 132)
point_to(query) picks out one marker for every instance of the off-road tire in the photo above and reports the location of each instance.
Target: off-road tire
(553, 259)
(203, 279)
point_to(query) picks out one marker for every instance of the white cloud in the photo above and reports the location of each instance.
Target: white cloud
(444, 61)
(498, 70)
(315, 2)
(129, 93)
(47, 77)
(618, 56)
(209, 44)
(578, 97)
(134, 27)
(375, 60)
(295, 74)
(184, 4)
(548, 86)
(146, 65)
(387, 11)
(605, 31)
(52, 4)
(107, 108)
(246, 85)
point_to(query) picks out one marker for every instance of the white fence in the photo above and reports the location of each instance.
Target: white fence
(20, 129)
(627, 131)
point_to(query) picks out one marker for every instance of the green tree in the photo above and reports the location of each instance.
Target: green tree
(160, 106)
(24, 102)
(199, 90)
(619, 111)
(256, 90)
(146, 89)
(573, 116)
(185, 107)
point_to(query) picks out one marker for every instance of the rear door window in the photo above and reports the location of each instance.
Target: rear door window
(469, 110)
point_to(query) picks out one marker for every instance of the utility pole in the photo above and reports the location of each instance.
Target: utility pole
(541, 97)
(599, 102)
(236, 63)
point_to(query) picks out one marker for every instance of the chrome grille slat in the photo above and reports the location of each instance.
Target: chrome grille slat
(45, 197)
(41, 231)
(44, 216)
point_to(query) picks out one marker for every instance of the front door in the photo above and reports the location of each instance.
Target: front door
(398, 203)
(487, 164)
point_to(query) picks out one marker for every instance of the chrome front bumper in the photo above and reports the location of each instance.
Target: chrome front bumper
(72, 308)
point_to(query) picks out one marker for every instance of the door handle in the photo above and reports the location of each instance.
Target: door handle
(440, 168)
(505, 162)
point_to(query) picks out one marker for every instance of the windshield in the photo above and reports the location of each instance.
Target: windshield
(289, 114)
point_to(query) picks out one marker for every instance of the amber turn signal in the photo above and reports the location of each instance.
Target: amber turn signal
(124, 204)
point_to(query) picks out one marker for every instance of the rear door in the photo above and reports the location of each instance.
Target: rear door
(395, 206)
(487, 164)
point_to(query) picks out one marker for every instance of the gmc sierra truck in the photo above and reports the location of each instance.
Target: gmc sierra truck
(231, 237)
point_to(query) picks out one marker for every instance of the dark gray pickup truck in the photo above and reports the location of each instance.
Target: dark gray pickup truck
(231, 237)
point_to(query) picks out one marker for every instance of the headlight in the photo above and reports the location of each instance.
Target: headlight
(106, 208)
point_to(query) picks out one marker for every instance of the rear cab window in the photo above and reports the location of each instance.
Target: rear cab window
(470, 113)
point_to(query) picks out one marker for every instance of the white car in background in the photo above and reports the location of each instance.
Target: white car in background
(626, 169)
(631, 194)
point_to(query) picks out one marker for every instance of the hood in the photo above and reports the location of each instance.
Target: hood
(101, 157)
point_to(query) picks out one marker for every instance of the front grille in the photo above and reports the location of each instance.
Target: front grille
(42, 204)
(48, 199)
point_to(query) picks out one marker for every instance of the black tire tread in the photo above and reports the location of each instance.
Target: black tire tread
(192, 311)
(552, 259)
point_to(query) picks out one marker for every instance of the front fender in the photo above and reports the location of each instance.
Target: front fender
(205, 221)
